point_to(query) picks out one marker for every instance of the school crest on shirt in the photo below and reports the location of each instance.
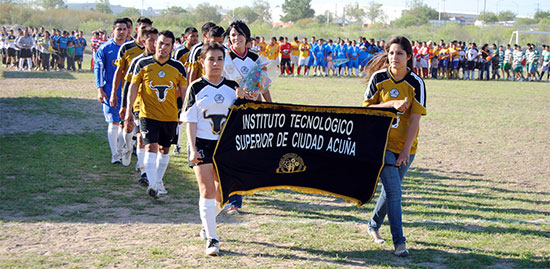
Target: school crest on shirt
(161, 74)
(161, 90)
(219, 98)
(244, 70)
(394, 93)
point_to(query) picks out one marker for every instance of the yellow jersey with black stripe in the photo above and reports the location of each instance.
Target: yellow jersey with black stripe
(128, 77)
(382, 88)
(159, 87)
(128, 51)
(182, 54)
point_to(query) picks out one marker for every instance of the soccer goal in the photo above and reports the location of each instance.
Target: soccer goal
(516, 34)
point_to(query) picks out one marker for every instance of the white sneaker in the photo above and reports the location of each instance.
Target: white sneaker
(162, 191)
(212, 247)
(115, 159)
(127, 157)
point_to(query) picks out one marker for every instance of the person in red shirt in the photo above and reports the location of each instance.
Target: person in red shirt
(285, 49)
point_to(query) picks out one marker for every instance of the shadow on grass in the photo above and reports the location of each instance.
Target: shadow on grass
(37, 74)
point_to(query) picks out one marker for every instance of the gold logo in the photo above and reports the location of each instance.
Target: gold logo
(291, 163)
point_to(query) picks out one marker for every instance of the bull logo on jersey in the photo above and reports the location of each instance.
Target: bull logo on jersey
(244, 70)
(217, 121)
(394, 93)
(218, 98)
(161, 90)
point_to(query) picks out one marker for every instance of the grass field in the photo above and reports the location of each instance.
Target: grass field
(477, 195)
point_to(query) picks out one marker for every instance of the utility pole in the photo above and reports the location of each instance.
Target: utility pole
(484, 6)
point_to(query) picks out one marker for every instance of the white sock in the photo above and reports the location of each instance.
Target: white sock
(207, 210)
(29, 63)
(21, 61)
(140, 155)
(127, 137)
(162, 164)
(150, 163)
(180, 129)
(120, 140)
(112, 135)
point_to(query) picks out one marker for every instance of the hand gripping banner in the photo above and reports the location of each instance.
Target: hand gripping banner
(311, 149)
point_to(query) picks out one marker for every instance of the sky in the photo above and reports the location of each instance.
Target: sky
(520, 7)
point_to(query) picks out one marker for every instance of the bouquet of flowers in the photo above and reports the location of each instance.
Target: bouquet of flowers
(259, 78)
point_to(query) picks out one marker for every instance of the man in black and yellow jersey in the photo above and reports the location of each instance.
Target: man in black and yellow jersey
(149, 39)
(127, 52)
(162, 81)
(210, 32)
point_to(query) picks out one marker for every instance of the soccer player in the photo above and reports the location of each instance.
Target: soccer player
(25, 44)
(193, 66)
(148, 38)
(191, 37)
(272, 50)
(285, 50)
(206, 106)
(532, 61)
(262, 44)
(353, 55)
(79, 49)
(162, 81)
(96, 42)
(424, 53)
(3, 45)
(304, 57)
(507, 66)
(495, 66)
(545, 62)
(295, 55)
(392, 84)
(104, 71)
(44, 48)
(518, 59)
(127, 52)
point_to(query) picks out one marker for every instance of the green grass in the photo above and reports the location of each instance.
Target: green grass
(476, 196)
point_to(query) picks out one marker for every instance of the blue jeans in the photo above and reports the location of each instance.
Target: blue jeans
(236, 200)
(389, 201)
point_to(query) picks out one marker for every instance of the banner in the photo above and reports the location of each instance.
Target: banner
(311, 149)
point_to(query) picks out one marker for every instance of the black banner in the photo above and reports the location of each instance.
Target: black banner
(329, 150)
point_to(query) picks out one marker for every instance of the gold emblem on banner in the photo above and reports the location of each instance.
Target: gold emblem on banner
(291, 163)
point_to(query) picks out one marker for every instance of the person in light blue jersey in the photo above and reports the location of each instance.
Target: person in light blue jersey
(353, 55)
(80, 46)
(62, 43)
(311, 61)
(104, 70)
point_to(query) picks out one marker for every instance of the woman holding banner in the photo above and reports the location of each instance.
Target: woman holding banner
(393, 84)
(239, 61)
(206, 106)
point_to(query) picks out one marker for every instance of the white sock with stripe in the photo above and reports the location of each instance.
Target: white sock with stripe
(207, 209)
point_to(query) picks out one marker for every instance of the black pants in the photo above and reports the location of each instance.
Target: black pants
(45, 60)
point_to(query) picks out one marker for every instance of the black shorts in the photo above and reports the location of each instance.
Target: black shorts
(205, 148)
(285, 61)
(136, 121)
(154, 131)
(11, 52)
(62, 52)
(25, 53)
(78, 58)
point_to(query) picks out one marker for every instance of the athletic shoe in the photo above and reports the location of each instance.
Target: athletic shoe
(202, 234)
(115, 159)
(212, 247)
(127, 158)
(162, 191)
(153, 193)
(401, 251)
(376, 236)
(177, 150)
(232, 210)
(143, 180)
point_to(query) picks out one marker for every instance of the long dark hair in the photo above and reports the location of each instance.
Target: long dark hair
(381, 60)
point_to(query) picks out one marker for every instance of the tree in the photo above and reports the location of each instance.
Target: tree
(539, 15)
(245, 14)
(419, 15)
(487, 17)
(51, 4)
(206, 12)
(130, 12)
(297, 9)
(506, 16)
(103, 6)
(355, 12)
(374, 12)
(261, 7)
(173, 10)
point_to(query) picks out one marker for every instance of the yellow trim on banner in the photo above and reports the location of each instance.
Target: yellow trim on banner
(296, 189)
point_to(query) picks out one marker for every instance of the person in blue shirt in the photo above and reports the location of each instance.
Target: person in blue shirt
(104, 70)
(340, 55)
(319, 55)
(80, 46)
(353, 55)
(311, 61)
(62, 42)
(363, 57)
(53, 43)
